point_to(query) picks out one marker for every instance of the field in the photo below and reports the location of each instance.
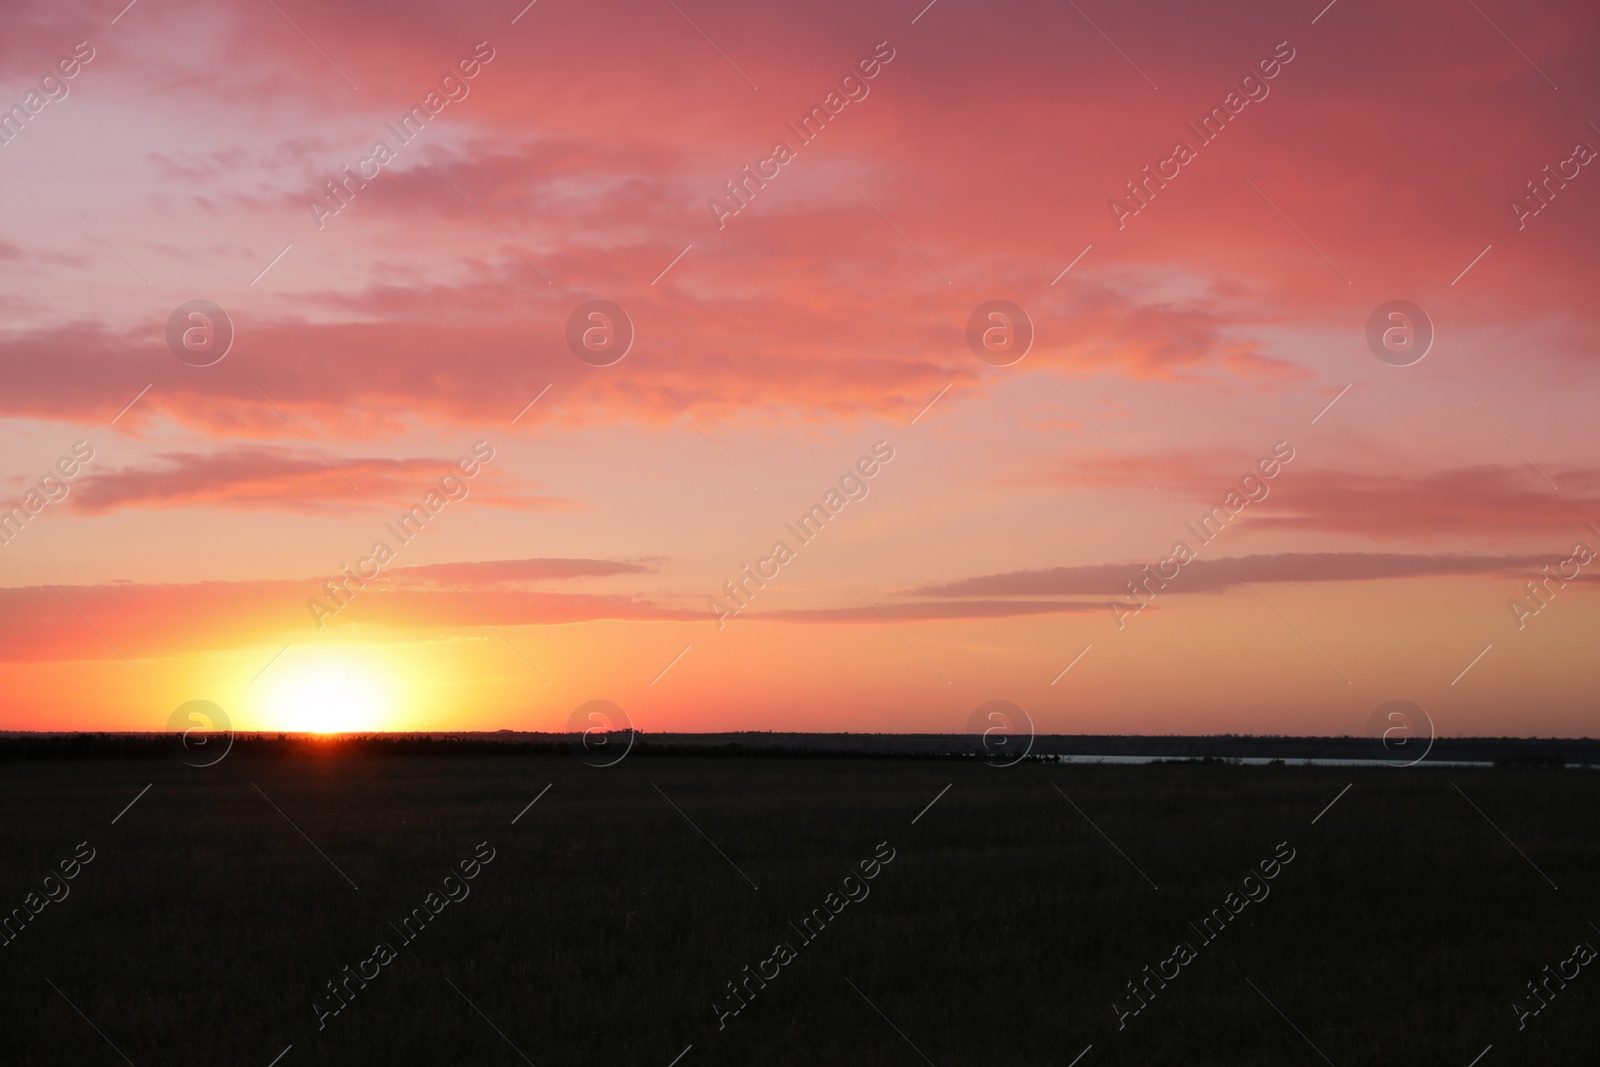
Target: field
(614, 911)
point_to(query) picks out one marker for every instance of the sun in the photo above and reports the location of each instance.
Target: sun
(328, 691)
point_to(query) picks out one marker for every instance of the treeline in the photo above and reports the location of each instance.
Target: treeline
(106, 746)
(1504, 752)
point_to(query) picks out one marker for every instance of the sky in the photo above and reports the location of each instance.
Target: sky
(397, 220)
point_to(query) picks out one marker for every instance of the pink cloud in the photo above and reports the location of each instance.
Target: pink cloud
(261, 479)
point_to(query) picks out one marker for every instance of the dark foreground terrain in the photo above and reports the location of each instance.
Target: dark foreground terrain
(1403, 928)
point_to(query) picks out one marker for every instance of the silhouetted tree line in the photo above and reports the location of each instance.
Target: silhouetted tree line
(39, 748)
(106, 746)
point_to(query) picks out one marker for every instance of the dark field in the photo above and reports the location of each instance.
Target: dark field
(606, 926)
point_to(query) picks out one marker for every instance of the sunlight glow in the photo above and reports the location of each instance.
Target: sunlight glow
(330, 690)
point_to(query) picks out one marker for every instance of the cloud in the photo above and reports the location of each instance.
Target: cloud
(928, 611)
(512, 571)
(731, 354)
(1201, 288)
(1157, 341)
(428, 610)
(1215, 575)
(262, 479)
(147, 620)
(1483, 502)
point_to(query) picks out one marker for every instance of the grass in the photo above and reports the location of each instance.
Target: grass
(607, 924)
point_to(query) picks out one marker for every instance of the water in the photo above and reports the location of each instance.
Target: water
(1263, 761)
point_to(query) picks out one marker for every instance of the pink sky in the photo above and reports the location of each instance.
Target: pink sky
(776, 345)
